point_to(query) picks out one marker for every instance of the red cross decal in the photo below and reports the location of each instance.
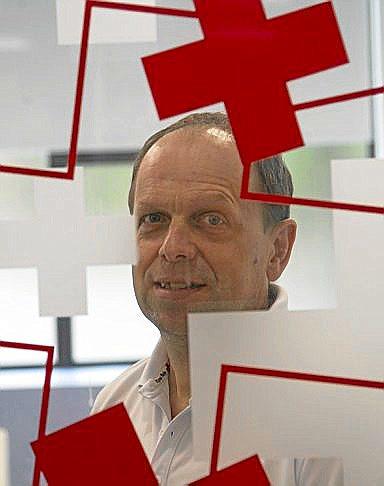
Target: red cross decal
(245, 61)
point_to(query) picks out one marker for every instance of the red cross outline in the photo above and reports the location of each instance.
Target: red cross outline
(46, 391)
(237, 471)
(210, 25)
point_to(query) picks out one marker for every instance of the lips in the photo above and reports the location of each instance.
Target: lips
(178, 285)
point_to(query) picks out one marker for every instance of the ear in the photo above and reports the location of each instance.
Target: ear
(282, 238)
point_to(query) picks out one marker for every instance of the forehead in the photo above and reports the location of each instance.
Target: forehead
(192, 156)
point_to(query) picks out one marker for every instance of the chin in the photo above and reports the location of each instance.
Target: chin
(174, 325)
(167, 322)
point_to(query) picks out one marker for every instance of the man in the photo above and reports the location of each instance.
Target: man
(200, 247)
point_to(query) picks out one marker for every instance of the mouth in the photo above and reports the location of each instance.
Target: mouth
(178, 285)
(165, 288)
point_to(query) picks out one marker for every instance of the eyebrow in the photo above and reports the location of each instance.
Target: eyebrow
(217, 196)
(206, 198)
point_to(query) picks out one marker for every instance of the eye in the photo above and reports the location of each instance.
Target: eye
(152, 218)
(213, 219)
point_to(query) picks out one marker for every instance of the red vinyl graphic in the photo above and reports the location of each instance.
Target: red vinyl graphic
(101, 450)
(277, 51)
(241, 470)
(46, 390)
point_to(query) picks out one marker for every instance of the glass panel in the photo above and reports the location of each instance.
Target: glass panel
(120, 332)
(106, 188)
(114, 329)
(309, 278)
(19, 312)
(20, 321)
(38, 80)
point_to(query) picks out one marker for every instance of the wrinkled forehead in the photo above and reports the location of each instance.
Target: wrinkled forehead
(193, 156)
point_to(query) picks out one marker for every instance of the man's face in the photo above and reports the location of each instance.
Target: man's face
(200, 246)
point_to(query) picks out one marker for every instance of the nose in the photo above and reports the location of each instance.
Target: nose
(177, 244)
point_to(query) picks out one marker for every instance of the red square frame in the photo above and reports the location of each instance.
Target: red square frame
(46, 390)
(272, 373)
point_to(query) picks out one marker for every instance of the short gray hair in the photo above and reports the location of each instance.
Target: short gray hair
(274, 175)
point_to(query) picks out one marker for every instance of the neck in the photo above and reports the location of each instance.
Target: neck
(179, 382)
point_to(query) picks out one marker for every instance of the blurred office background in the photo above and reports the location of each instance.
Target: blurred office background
(39, 47)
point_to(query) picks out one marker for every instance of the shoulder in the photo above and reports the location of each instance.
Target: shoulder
(121, 389)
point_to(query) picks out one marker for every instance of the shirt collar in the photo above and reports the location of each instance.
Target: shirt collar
(156, 370)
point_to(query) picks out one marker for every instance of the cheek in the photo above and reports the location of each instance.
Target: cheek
(231, 250)
(146, 253)
(230, 265)
(244, 266)
(145, 258)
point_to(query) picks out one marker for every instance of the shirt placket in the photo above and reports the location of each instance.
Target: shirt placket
(167, 446)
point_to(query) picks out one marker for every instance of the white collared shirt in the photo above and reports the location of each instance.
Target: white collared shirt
(167, 442)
